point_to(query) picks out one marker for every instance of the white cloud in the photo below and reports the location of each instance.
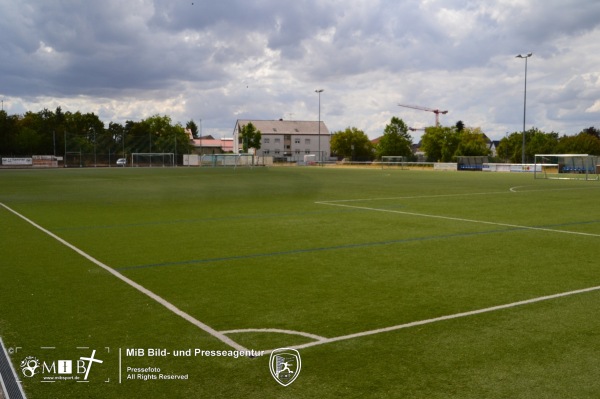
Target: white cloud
(218, 61)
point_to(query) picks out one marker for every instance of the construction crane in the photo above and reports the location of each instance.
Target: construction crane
(437, 112)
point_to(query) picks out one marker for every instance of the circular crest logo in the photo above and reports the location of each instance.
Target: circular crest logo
(29, 366)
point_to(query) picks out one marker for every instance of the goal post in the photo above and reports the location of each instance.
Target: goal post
(152, 159)
(393, 161)
(566, 166)
(227, 160)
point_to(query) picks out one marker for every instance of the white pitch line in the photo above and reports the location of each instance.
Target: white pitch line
(458, 219)
(223, 338)
(443, 318)
(275, 330)
(414, 197)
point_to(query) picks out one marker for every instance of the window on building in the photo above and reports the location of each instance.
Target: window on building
(277, 141)
(296, 140)
(307, 141)
(266, 140)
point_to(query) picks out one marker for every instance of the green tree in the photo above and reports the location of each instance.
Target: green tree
(191, 125)
(472, 142)
(509, 148)
(28, 140)
(83, 131)
(352, 143)
(9, 130)
(117, 133)
(137, 138)
(395, 140)
(166, 136)
(592, 131)
(440, 143)
(251, 137)
(583, 143)
(538, 142)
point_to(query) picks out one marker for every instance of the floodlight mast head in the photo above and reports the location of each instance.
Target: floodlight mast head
(524, 56)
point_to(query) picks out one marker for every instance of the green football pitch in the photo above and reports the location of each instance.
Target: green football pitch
(387, 283)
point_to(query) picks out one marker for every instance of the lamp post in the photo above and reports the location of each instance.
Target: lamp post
(524, 104)
(319, 91)
(94, 130)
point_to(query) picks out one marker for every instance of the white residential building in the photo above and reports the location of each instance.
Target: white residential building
(287, 140)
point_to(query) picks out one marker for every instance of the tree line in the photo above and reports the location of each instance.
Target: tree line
(60, 133)
(446, 143)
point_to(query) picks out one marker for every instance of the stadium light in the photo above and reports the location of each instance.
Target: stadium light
(319, 91)
(524, 104)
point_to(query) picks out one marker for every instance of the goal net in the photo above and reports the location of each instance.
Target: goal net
(566, 166)
(393, 161)
(150, 159)
(231, 160)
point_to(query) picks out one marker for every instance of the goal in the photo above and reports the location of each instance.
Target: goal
(566, 166)
(393, 161)
(150, 159)
(231, 160)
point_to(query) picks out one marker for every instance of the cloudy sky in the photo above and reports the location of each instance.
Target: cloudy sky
(220, 60)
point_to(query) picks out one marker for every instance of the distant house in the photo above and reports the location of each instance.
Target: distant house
(210, 145)
(494, 147)
(287, 140)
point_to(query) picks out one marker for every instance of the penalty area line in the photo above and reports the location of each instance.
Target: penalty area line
(444, 318)
(425, 215)
(206, 328)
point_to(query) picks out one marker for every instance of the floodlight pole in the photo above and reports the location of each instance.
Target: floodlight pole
(319, 91)
(94, 130)
(524, 104)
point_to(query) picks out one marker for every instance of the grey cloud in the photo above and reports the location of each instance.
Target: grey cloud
(454, 52)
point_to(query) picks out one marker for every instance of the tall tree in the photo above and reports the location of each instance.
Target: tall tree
(251, 137)
(191, 125)
(538, 142)
(583, 143)
(117, 133)
(440, 143)
(472, 142)
(9, 131)
(395, 140)
(592, 131)
(352, 143)
(166, 136)
(509, 148)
